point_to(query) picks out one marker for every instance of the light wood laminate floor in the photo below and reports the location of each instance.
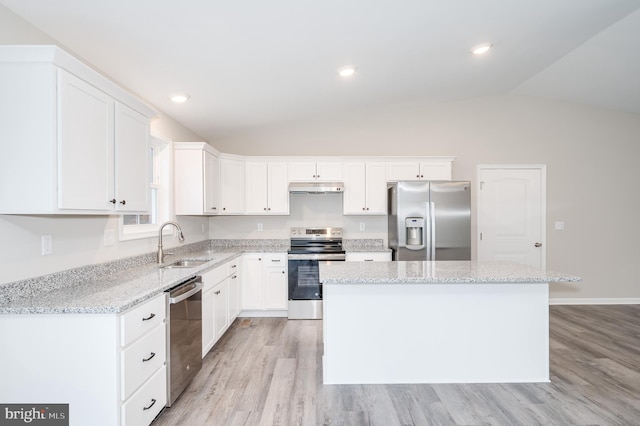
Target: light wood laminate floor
(268, 371)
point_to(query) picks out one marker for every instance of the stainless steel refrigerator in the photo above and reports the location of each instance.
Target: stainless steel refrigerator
(430, 220)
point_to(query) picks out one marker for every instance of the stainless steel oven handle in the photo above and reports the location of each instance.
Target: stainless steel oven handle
(197, 287)
(316, 257)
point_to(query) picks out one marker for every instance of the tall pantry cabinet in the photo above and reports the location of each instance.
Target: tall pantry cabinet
(72, 142)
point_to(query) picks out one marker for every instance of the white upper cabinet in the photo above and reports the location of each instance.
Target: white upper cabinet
(306, 171)
(419, 170)
(196, 179)
(267, 188)
(232, 186)
(131, 160)
(365, 188)
(73, 142)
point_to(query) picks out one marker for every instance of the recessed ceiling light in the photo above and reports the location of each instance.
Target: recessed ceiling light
(179, 98)
(347, 71)
(481, 49)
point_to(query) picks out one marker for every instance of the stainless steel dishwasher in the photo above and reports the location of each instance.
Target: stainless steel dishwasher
(184, 336)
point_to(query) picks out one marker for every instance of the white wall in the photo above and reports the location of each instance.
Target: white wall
(77, 241)
(305, 210)
(592, 158)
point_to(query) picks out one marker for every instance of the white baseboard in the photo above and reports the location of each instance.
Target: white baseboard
(262, 314)
(594, 301)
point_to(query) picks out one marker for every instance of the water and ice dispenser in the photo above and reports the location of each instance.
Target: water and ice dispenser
(415, 232)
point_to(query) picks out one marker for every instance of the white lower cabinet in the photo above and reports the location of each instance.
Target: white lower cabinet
(220, 302)
(375, 256)
(264, 282)
(94, 362)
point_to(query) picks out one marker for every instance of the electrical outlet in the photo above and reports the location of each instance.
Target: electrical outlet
(109, 237)
(559, 225)
(259, 227)
(203, 228)
(47, 245)
(362, 226)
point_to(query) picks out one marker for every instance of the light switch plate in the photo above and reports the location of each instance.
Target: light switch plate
(109, 237)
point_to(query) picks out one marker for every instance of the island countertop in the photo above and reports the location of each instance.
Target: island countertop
(437, 272)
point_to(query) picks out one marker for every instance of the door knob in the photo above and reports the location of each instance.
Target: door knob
(538, 244)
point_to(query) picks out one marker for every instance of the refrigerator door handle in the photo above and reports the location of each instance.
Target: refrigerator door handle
(432, 226)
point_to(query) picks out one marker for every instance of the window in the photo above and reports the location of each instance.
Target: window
(134, 226)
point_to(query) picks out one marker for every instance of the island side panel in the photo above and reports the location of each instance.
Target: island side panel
(436, 333)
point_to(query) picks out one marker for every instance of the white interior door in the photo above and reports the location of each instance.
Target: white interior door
(511, 214)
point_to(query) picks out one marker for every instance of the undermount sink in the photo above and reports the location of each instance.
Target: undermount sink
(185, 263)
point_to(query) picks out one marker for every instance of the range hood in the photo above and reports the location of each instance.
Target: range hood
(315, 187)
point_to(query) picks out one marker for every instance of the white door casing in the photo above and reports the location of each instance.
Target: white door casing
(511, 212)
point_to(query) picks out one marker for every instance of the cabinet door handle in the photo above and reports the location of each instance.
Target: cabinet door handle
(234, 277)
(283, 272)
(368, 260)
(217, 292)
(537, 245)
(123, 202)
(234, 266)
(214, 208)
(112, 201)
(153, 401)
(149, 317)
(265, 209)
(150, 357)
(224, 209)
(275, 260)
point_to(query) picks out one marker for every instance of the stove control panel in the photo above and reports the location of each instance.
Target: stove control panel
(316, 233)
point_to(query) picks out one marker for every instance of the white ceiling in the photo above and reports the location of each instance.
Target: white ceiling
(249, 63)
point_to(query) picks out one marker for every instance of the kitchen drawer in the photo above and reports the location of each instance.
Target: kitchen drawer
(142, 319)
(213, 277)
(142, 359)
(368, 256)
(275, 259)
(147, 402)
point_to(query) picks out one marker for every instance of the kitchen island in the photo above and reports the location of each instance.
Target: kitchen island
(436, 322)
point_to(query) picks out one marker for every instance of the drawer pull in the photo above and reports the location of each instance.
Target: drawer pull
(149, 317)
(275, 260)
(217, 292)
(150, 356)
(368, 260)
(153, 401)
(234, 266)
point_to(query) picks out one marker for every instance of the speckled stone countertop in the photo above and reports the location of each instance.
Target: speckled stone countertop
(436, 272)
(116, 286)
(364, 245)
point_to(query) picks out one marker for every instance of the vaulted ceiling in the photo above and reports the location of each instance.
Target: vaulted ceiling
(251, 63)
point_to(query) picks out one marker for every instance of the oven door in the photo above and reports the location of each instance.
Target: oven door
(304, 282)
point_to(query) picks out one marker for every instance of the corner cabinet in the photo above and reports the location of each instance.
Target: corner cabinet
(267, 187)
(78, 143)
(232, 186)
(196, 178)
(109, 368)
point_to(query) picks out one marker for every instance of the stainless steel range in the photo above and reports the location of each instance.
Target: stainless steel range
(309, 247)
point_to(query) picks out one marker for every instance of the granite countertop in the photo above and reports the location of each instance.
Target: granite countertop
(437, 272)
(116, 292)
(116, 286)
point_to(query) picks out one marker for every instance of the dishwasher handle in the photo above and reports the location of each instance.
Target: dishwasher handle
(195, 287)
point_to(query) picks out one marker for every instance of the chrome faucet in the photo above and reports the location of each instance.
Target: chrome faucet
(161, 252)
